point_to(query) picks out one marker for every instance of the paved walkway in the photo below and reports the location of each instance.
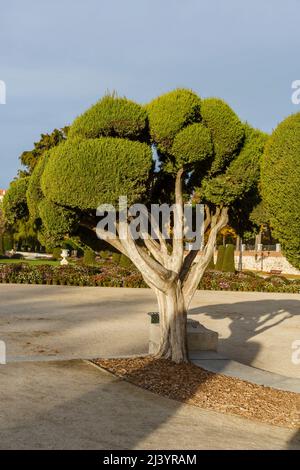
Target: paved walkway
(69, 404)
(47, 322)
(214, 362)
(75, 405)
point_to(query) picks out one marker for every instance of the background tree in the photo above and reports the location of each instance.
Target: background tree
(22, 230)
(2, 230)
(280, 185)
(29, 158)
(109, 151)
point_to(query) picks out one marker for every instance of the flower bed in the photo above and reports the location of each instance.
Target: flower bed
(71, 275)
(248, 282)
(110, 275)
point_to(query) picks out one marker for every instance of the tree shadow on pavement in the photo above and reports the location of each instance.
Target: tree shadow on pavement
(246, 321)
(294, 443)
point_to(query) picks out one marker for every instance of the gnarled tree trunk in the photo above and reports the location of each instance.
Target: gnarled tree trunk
(173, 323)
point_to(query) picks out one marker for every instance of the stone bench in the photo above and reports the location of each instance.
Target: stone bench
(199, 338)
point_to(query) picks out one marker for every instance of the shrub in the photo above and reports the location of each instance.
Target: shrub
(89, 257)
(116, 257)
(228, 261)
(220, 258)
(105, 254)
(211, 264)
(116, 276)
(8, 242)
(125, 262)
(56, 253)
(17, 256)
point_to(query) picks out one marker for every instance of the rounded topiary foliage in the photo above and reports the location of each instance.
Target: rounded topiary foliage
(228, 261)
(34, 192)
(170, 113)
(86, 173)
(57, 221)
(220, 258)
(242, 173)
(192, 145)
(226, 129)
(14, 202)
(112, 117)
(280, 183)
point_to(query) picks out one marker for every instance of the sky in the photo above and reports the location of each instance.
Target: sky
(58, 57)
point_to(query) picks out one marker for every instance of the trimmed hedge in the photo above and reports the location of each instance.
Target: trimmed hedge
(86, 173)
(228, 261)
(248, 282)
(220, 258)
(115, 276)
(89, 257)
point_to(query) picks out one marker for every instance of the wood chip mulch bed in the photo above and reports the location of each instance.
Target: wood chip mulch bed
(190, 384)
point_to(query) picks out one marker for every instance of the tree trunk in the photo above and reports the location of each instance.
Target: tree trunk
(173, 321)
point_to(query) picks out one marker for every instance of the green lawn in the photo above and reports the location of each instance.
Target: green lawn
(32, 262)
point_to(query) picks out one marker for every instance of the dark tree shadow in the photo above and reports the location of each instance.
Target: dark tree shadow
(246, 321)
(294, 443)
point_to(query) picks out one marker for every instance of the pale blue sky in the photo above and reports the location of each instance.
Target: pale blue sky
(60, 56)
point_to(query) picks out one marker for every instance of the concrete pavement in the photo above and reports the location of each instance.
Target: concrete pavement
(71, 404)
(47, 322)
(75, 405)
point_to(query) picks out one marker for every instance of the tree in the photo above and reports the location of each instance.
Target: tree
(202, 148)
(280, 183)
(2, 229)
(22, 230)
(29, 158)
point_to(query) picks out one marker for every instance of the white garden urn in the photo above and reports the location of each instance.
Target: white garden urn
(64, 255)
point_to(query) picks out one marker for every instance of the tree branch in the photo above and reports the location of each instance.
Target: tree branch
(178, 232)
(218, 221)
